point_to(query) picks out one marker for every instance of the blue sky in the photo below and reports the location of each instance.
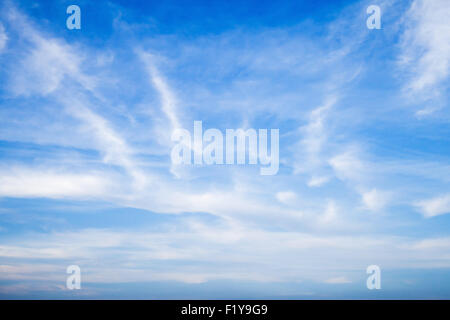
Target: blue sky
(85, 139)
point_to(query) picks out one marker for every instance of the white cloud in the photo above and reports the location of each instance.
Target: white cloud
(426, 50)
(338, 280)
(431, 244)
(435, 206)
(348, 166)
(168, 101)
(168, 106)
(317, 181)
(310, 156)
(3, 37)
(286, 197)
(48, 62)
(43, 70)
(330, 214)
(114, 147)
(20, 182)
(374, 199)
(218, 252)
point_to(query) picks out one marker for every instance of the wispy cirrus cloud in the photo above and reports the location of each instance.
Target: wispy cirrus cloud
(426, 52)
(3, 37)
